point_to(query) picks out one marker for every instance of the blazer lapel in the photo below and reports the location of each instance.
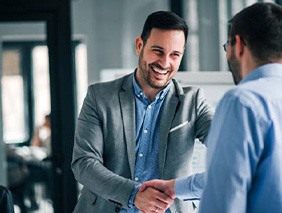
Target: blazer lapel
(168, 112)
(127, 103)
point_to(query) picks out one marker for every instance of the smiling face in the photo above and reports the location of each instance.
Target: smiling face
(159, 58)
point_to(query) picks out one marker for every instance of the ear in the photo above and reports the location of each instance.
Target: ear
(239, 46)
(138, 45)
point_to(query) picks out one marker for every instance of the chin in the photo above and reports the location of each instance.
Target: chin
(157, 86)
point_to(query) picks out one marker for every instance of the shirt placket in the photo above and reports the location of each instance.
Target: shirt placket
(144, 144)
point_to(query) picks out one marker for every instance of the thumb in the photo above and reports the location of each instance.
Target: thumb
(143, 187)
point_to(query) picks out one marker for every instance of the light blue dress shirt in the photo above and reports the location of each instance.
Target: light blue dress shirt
(147, 138)
(190, 188)
(244, 155)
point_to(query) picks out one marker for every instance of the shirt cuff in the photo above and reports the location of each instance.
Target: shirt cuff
(189, 188)
(133, 194)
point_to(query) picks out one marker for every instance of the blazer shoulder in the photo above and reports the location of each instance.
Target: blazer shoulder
(185, 89)
(190, 89)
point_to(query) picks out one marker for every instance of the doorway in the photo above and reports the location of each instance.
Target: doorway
(56, 19)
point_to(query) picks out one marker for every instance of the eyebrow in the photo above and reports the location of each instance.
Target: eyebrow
(158, 47)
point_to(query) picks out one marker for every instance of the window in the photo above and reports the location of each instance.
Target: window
(26, 86)
(15, 127)
(207, 21)
(41, 83)
(81, 73)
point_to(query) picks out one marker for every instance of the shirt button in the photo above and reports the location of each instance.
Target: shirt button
(149, 106)
(141, 155)
(136, 178)
(145, 131)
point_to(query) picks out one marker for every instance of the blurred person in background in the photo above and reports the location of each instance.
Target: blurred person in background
(40, 166)
(42, 135)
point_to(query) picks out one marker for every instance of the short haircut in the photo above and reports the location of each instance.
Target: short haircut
(164, 20)
(260, 27)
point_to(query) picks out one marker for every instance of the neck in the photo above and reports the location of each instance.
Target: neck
(279, 61)
(150, 92)
(248, 63)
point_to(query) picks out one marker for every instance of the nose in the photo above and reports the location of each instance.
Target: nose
(165, 61)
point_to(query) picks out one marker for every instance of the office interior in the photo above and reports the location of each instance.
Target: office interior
(50, 51)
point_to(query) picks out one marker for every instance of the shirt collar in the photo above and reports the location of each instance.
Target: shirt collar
(139, 93)
(267, 70)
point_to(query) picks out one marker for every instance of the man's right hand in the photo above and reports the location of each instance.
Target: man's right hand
(165, 186)
(150, 200)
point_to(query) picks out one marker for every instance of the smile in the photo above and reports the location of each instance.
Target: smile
(159, 71)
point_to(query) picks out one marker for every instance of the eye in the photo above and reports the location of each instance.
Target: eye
(176, 55)
(158, 52)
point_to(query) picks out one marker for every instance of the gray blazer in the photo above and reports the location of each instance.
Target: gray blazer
(104, 147)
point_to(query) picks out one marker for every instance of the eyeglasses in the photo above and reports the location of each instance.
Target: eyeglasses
(225, 46)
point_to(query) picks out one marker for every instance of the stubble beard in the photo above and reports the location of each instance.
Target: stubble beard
(145, 73)
(235, 68)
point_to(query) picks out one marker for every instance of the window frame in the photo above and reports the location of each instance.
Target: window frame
(25, 48)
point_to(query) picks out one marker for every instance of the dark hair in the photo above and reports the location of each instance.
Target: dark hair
(163, 20)
(260, 27)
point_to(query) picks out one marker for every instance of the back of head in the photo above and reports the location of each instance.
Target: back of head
(260, 27)
(163, 20)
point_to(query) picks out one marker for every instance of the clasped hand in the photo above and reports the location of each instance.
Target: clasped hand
(155, 196)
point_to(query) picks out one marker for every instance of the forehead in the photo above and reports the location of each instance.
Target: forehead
(162, 38)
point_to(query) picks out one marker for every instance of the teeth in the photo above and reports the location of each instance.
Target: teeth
(163, 72)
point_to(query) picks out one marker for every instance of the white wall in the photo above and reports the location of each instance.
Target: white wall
(109, 29)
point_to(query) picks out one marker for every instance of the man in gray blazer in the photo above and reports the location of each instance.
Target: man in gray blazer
(140, 127)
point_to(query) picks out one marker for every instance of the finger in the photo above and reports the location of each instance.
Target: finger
(143, 187)
(157, 210)
(160, 205)
(164, 198)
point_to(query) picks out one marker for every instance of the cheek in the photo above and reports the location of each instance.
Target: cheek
(175, 64)
(150, 58)
(227, 55)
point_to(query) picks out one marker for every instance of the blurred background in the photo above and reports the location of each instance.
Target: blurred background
(50, 51)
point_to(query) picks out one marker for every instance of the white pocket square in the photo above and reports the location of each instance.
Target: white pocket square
(179, 126)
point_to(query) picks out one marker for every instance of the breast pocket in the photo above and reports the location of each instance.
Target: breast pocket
(181, 138)
(179, 126)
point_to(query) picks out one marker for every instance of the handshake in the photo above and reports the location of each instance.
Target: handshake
(155, 196)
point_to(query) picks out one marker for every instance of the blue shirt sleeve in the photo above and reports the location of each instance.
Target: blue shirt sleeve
(189, 188)
(133, 194)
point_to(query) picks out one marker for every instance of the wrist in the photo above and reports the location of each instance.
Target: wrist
(171, 184)
(133, 195)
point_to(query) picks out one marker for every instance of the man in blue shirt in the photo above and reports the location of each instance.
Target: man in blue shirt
(244, 156)
(140, 127)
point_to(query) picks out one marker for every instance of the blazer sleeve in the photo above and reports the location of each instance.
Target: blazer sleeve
(87, 162)
(204, 113)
